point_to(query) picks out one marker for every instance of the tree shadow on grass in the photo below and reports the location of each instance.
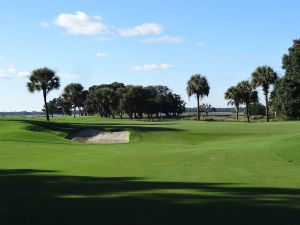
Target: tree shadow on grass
(35, 197)
(69, 128)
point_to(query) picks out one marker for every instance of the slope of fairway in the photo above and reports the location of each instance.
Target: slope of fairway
(181, 172)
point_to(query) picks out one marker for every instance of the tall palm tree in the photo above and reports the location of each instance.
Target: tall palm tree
(264, 76)
(198, 85)
(45, 80)
(73, 94)
(248, 95)
(233, 95)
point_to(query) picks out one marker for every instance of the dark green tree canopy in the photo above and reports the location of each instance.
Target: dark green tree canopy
(286, 95)
(257, 109)
(291, 60)
(43, 79)
(74, 94)
(264, 76)
(233, 96)
(248, 95)
(198, 85)
(135, 101)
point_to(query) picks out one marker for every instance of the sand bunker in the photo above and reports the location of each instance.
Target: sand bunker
(97, 136)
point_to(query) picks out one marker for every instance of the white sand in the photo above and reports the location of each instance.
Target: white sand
(97, 136)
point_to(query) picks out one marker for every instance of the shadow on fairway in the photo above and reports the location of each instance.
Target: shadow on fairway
(35, 197)
(69, 128)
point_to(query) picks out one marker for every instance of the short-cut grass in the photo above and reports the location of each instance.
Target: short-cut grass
(181, 172)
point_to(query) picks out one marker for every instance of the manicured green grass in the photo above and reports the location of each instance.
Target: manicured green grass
(182, 172)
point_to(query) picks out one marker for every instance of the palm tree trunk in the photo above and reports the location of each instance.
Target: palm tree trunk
(46, 106)
(237, 110)
(267, 107)
(248, 113)
(198, 108)
(74, 113)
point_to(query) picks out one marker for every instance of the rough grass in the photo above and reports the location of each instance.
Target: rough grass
(182, 172)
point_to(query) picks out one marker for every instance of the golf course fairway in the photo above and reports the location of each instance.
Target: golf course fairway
(181, 172)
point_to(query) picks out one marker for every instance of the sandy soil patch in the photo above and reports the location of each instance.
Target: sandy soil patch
(98, 136)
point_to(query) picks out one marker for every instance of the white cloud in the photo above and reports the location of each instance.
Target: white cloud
(8, 71)
(101, 54)
(143, 29)
(146, 67)
(200, 44)
(165, 66)
(11, 69)
(152, 67)
(23, 74)
(4, 75)
(44, 24)
(165, 38)
(69, 76)
(81, 24)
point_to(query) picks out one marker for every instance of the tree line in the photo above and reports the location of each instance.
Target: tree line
(117, 99)
(107, 100)
(244, 92)
(284, 100)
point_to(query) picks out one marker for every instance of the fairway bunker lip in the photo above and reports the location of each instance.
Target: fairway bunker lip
(95, 136)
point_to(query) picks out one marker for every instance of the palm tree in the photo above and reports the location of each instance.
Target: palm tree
(264, 76)
(248, 95)
(45, 80)
(197, 85)
(73, 94)
(233, 95)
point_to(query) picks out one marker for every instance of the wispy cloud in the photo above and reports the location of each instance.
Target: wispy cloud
(165, 66)
(9, 71)
(81, 24)
(23, 74)
(4, 75)
(152, 67)
(44, 24)
(69, 76)
(165, 38)
(143, 29)
(101, 54)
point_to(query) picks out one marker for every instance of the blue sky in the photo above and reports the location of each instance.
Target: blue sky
(141, 42)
